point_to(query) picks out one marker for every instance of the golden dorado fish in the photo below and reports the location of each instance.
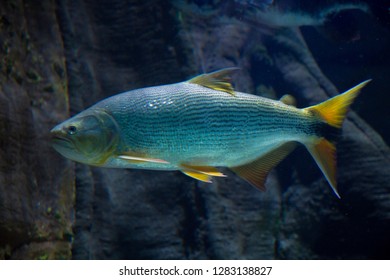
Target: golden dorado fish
(200, 124)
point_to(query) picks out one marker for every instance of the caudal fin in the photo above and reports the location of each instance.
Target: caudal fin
(332, 112)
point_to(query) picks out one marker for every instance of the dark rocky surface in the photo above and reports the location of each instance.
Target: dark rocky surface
(36, 186)
(82, 51)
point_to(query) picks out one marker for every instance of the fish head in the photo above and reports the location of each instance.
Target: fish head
(89, 137)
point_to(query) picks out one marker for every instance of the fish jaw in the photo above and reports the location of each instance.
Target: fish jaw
(64, 144)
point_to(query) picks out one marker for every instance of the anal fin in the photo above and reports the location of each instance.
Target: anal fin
(256, 172)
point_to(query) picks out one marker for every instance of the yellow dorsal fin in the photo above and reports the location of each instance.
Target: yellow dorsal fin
(334, 110)
(218, 80)
(288, 100)
(324, 153)
(256, 172)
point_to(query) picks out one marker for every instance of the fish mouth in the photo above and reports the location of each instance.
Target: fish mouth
(59, 140)
(58, 136)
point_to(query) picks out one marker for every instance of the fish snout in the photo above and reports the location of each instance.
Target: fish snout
(57, 133)
(59, 137)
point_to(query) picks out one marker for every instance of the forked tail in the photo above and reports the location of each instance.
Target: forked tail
(332, 112)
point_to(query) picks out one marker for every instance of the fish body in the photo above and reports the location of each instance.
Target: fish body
(195, 126)
(187, 123)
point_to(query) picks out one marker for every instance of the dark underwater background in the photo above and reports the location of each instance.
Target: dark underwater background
(59, 57)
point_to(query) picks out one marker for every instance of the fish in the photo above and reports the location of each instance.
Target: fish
(200, 125)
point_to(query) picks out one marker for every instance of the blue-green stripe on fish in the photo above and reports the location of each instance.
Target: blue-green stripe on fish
(200, 124)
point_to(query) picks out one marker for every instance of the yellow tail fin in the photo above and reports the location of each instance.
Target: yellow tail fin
(333, 112)
(324, 153)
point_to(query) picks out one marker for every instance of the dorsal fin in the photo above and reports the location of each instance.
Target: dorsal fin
(218, 80)
(256, 172)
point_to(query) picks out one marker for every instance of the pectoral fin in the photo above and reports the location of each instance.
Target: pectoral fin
(256, 172)
(135, 159)
(201, 173)
(218, 80)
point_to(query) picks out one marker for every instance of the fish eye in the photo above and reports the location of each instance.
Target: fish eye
(72, 130)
